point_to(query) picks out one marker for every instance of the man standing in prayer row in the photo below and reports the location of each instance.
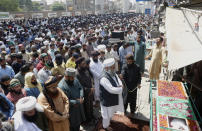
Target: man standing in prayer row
(111, 98)
(56, 105)
(16, 92)
(132, 76)
(96, 68)
(74, 91)
(123, 54)
(85, 79)
(5, 70)
(32, 86)
(29, 115)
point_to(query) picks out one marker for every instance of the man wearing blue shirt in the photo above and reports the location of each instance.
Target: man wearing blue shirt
(6, 106)
(5, 69)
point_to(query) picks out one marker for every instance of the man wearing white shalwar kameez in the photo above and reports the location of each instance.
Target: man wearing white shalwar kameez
(96, 68)
(29, 106)
(111, 98)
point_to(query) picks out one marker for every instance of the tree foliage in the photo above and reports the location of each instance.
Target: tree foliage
(9, 5)
(36, 6)
(56, 6)
(26, 5)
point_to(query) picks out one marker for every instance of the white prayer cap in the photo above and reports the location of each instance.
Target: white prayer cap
(36, 39)
(52, 39)
(46, 42)
(109, 62)
(2, 47)
(28, 103)
(40, 39)
(70, 72)
(101, 47)
(1, 42)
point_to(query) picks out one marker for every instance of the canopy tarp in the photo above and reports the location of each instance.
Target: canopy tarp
(184, 48)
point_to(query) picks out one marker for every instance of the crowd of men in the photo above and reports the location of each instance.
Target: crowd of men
(55, 71)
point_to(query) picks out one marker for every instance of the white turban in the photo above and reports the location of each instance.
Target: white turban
(28, 103)
(109, 62)
(101, 47)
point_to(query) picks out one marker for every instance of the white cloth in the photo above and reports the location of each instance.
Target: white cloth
(116, 57)
(108, 112)
(20, 124)
(129, 50)
(97, 71)
(108, 55)
(43, 75)
(84, 54)
(52, 54)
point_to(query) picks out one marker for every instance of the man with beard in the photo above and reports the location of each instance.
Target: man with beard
(32, 86)
(71, 61)
(123, 53)
(90, 48)
(131, 74)
(84, 78)
(45, 72)
(5, 81)
(21, 75)
(74, 91)
(23, 52)
(56, 105)
(15, 91)
(16, 65)
(108, 53)
(156, 60)
(5, 70)
(96, 68)
(139, 54)
(59, 66)
(29, 115)
(44, 58)
(111, 98)
(84, 51)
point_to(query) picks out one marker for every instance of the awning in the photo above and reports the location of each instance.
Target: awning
(183, 46)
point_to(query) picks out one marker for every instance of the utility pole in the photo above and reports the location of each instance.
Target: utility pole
(66, 6)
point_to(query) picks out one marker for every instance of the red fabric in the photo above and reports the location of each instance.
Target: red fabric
(123, 123)
(14, 97)
(40, 65)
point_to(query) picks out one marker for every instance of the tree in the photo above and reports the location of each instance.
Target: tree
(36, 6)
(26, 5)
(56, 6)
(9, 5)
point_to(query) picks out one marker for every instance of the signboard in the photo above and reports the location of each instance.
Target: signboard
(148, 11)
(19, 16)
(37, 15)
(66, 14)
(53, 14)
(70, 8)
(89, 12)
(4, 15)
(77, 13)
